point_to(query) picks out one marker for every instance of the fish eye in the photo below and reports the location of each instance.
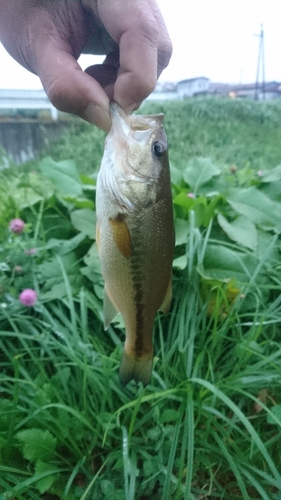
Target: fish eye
(158, 149)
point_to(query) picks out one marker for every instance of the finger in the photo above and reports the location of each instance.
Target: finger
(137, 75)
(144, 44)
(46, 40)
(69, 88)
(165, 47)
(105, 74)
(102, 73)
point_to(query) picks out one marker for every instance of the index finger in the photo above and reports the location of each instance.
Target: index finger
(144, 44)
(69, 88)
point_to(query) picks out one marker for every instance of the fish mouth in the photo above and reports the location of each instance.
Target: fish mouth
(115, 109)
(139, 127)
(120, 119)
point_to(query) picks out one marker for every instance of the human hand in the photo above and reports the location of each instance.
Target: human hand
(47, 37)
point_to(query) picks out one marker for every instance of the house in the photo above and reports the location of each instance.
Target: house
(164, 91)
(270, 90)
(193, 87)
(219, 89)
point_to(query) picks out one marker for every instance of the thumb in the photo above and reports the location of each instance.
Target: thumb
(70, 89)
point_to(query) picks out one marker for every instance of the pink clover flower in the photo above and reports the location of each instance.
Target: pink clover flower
(28, 297)
(17, 225)
(31, 251)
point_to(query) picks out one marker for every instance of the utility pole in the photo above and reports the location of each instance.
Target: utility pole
(260, 66)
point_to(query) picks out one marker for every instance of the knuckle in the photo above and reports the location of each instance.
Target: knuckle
(165, 52)
(59, 96)
(147, 25)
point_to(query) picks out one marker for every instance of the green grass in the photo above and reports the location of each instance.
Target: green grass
(241, 132)
(208, 426)
(192, 432)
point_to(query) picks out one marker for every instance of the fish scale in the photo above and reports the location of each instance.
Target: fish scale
(135, 233)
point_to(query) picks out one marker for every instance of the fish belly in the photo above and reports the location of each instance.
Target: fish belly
(137, 273)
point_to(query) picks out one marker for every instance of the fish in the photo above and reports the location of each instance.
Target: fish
(135, 233)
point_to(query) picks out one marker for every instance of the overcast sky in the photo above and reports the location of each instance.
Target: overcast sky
(212, 38)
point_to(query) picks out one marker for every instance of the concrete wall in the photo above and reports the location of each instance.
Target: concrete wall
(23, 139)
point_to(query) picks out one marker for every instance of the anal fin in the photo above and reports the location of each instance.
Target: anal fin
(109, 310)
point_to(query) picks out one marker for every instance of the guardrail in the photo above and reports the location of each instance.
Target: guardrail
(14, 100)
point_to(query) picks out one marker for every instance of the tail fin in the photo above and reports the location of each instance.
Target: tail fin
(135, 369)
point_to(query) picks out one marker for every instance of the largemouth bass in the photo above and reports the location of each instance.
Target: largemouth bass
(135, 233)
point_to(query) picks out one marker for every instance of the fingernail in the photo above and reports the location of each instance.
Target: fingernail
(133, 107)
(98, 116)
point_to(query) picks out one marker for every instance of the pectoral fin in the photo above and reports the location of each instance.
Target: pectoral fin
(168, 299)
(121, 236)
(109, 310)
